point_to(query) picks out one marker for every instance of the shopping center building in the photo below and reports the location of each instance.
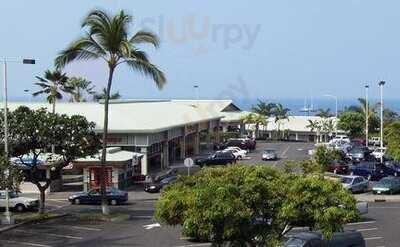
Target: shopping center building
(163, 132)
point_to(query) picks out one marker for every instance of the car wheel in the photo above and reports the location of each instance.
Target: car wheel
(20, 208)
(113, 202)
(77, 201)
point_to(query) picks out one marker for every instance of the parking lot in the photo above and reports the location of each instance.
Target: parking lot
(379, 228)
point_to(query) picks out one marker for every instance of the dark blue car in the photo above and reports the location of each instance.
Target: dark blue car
(372, 171)
(114, 197)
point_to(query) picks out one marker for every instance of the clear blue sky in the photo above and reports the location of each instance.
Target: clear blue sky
(239, 49)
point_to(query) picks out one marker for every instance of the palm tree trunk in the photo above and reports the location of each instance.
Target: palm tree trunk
(104, 202)
(53, 149)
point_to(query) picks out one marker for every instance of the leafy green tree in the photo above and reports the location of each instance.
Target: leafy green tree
(31, 132)
(390, 116)
(15, 175)
(106, 38)
(52, 84)
(352, 122)
(265, 109)
(392, 139)
(80, 87)
(102, 95)
(253, 205)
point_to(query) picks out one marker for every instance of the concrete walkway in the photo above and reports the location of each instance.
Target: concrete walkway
(369, 197)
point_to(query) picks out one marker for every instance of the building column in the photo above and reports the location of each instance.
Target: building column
(144, 162)
(165, 155)
(196, 143)
(242, 128)
(297, 136)
(183, 147)
(115, 177)
(86, 179)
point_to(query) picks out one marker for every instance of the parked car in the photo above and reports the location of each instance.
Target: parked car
(269, 154)
(315, 239)
(114, 197)
(371, 170)
(238, 152)
(358, 153)
(156, 187)
(218, 158)
(394, 165)
(18, 203)
(338, 167)
(354, 183)
(388, 185)
(375, 141)
(378, 153)
(242, 143)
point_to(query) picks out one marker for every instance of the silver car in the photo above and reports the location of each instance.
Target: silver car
(269, 154)
(355, 183)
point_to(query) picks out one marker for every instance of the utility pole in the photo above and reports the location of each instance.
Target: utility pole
(366, 115)
(381, 84)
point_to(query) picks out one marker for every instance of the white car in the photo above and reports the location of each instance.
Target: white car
(379, 153)
(16, 202)
(237, 152)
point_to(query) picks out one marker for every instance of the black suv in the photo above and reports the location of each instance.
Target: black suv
(242, 143)
(218, 158)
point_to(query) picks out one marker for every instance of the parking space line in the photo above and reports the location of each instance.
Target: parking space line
(86, 228)
(26, 243)
(361, 223)
(52, 234)
(373, 238)
(284, 152)
(367, 229)
(195, 245)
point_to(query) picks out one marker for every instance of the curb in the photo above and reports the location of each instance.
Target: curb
(7, 228)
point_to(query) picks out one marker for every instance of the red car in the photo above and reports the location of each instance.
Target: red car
(338, 167)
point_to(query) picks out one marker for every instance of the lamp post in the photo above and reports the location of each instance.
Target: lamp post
(366, 115)
(336, 109)
(196, 89)
(8, 219)
(381, 84)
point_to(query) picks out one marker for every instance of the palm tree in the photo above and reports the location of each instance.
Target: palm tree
(248, 118)
(102, 95)
(106, 38)
(52, 84)
(264, 109)
(315, 126)
(324, 113)
(80, 86)
(280, 113)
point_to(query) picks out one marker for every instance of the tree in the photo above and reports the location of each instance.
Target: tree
(324, 113)
(389, 116)
(264, 109)
(352, 122)
(14, 178)
(107, 38)
(280, 113)
(31, 134)
(52, 84)
(80, 87)
(392, 139)
(102, 95)
(253, 205)
(315, 125)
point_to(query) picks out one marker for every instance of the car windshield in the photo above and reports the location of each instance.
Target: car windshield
(346, 180)
(385, 182)
(294, 242)
(268, 151)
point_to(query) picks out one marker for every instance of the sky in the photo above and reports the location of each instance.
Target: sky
(230, 49)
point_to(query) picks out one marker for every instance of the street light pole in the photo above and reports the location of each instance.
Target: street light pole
(336, 109)
(196, 89)
(8, 218)
(366, 115)
(381, 84)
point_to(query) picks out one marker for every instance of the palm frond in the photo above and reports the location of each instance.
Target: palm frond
(148, 69)
(145, 37)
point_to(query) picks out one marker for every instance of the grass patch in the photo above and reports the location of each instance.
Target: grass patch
(113, 217)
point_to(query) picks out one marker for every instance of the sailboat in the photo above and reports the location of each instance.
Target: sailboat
(308, 108)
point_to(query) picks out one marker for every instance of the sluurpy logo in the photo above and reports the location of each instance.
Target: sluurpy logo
(194, 28)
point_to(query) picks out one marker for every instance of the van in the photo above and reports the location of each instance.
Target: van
(315, 239)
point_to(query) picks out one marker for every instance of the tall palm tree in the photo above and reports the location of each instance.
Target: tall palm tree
(264, 109)
(315, 126)
(80, 87)
(52, 84)
(106, 38)
(324, 113)
(102, 95)
(280, 113)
